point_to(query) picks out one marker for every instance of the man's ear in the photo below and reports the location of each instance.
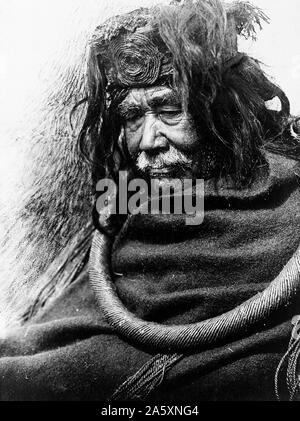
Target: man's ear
(122, 143)
(119, 156)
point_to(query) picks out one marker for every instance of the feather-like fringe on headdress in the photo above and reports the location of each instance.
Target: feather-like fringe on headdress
(202, 36)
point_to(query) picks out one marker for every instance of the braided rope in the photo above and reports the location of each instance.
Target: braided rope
(191, 337)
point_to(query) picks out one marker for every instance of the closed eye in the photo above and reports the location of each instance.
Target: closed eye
(170, 115)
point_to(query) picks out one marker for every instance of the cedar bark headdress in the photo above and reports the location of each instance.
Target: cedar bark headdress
(173, 43)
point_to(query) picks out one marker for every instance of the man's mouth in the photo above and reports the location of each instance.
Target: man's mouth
(158, 172)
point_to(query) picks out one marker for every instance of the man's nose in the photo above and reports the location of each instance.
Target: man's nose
(153, 138)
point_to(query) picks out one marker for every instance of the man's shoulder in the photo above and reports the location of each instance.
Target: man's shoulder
(283, 166)
(76, 300)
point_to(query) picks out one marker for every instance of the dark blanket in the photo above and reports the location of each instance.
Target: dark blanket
(171, 273)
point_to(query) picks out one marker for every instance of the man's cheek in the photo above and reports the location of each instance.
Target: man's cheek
(183, 138)
(184, 146)
(133, 141)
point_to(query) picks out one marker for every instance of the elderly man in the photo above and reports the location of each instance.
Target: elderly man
(161, 309)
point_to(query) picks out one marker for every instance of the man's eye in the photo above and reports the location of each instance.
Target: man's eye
(170, 116)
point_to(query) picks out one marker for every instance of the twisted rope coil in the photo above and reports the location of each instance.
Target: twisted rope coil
(137, 59)
(197, 336)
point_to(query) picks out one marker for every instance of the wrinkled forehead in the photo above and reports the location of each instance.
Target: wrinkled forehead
(151, 96)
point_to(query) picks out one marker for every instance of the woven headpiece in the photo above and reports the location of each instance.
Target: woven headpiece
(134, 50)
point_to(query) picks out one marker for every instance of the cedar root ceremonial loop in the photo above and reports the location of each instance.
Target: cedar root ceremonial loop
(206, 334)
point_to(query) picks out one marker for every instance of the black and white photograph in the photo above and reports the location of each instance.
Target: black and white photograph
(149, 203)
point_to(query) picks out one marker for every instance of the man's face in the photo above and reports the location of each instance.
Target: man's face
(160, 136)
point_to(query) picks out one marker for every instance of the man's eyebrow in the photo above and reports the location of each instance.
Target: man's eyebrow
(158, 100)
(170, 98)
(126, 107)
